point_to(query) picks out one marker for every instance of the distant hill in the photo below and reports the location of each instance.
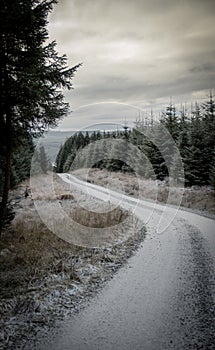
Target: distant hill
(53, 140)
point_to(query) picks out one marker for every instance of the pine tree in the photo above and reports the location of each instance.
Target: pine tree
(212, 173)
(200, 150)
(191, 148)
(208, 128)
(193, 166)
(170, 120)
(57, 161)
(86, 139)
(68, 163)
(32, 76)
(61, 158)
(184, 131)
(44, 160)
(21, 161)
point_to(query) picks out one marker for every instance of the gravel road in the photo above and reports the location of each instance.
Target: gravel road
(164, 298)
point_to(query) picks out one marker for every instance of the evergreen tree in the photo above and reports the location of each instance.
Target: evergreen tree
(61, 158)
(208, 129)
(32, 76)
(212, 173)
(86, 139)
(58, 165)
(194, 137)
(80, 140)
(44, 160)
(193, 166)
(184, 130)
(190, 145)
(170, 120)
(93, 137)
(21, 161)
(209, 109)
(199, 153)
(68, 163)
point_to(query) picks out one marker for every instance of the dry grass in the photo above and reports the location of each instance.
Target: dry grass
(79, 218)
(99, 220)
(48, 187)
(43, 277)
(200, 198)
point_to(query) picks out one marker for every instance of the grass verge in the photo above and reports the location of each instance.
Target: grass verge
(42, 277)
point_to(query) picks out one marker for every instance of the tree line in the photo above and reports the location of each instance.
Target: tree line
(193, 133)
(32, 78)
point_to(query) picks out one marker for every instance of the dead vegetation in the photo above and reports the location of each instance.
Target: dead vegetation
(196, 197)
(99, 220)
(43, 277)
(64, 196)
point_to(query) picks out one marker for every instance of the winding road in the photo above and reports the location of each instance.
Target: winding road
(164, 298)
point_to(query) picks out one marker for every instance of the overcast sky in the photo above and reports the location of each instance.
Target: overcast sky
(134, 53)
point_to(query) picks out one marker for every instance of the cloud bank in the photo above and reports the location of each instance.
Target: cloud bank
(138, 53)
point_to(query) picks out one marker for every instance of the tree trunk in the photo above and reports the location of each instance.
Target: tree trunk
(6, 187)
(8, 155)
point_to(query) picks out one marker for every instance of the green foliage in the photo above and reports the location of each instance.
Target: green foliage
(193, 134)
(212, 173)
(32, 76)
(170, 120)
(21, 161)
(34, 71)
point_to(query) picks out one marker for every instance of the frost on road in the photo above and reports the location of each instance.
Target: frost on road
(163, 299)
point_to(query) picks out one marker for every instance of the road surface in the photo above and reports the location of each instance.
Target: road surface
(164, 298)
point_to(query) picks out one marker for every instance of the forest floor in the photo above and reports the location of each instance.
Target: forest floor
(44, 278)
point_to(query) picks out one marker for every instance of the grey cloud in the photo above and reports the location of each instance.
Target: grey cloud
(140, 51)
(138, 91)
(205, 67)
